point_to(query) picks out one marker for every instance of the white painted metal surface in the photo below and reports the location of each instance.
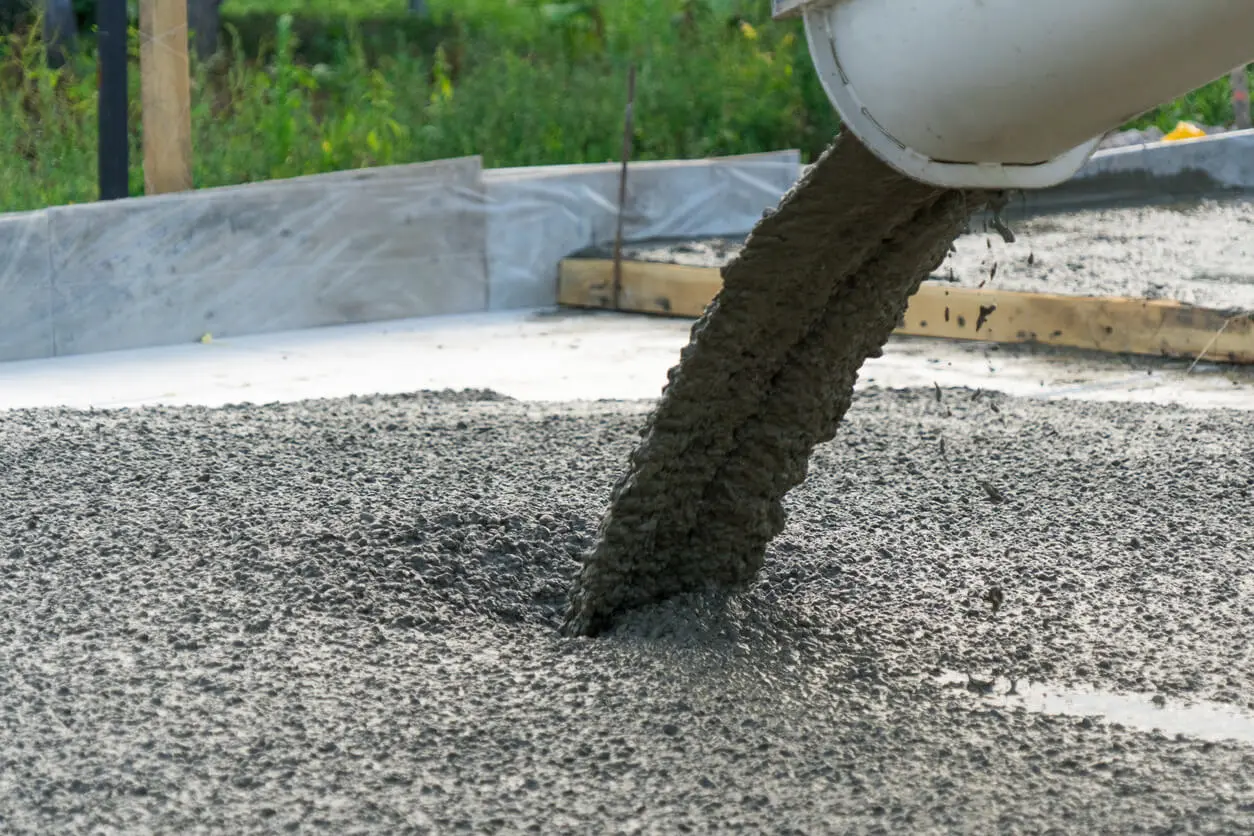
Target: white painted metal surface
(1011, 93)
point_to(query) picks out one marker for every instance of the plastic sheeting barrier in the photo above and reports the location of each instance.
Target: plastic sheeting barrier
(538, 216)
(349, 247)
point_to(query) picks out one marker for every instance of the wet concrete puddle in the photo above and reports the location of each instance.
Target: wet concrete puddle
(1202, 720)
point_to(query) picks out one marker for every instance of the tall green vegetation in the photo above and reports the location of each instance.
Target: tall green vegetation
(521, 82)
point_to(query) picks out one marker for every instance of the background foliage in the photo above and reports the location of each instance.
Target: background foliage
(321, 85)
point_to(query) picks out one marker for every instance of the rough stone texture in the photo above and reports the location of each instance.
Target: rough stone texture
(817, 289)
(342, 616)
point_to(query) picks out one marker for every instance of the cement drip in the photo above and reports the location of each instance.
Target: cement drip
(768, 374)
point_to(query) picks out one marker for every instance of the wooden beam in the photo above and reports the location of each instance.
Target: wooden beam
(166, 87)
(648, 287)
(1110, 324)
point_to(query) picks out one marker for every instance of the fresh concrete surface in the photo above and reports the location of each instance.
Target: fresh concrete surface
(547, 355)
(768, 375)
(1199, 252)
(339, 616)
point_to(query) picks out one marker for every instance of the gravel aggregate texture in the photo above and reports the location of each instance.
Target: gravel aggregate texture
(344, 616)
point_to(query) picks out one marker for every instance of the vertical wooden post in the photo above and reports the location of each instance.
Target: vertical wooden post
(166, 83)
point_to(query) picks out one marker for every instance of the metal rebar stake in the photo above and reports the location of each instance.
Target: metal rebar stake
(622, 184)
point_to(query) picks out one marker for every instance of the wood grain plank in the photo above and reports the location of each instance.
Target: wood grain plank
(1109, 324)
(166, 96)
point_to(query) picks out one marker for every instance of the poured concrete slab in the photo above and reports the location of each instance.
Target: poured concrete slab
(542, 355)
(340, 615)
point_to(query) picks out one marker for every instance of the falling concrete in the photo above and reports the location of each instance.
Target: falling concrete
(817, 289)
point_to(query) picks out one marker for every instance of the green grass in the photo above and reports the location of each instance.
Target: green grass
(520, 82)
(357, 8)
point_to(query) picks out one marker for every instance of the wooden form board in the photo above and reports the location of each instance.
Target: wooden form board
(1110, 324)
(166, 95)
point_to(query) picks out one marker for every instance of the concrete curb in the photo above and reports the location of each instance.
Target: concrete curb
(240, 260)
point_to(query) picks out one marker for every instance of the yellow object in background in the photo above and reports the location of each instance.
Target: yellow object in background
(1184, 130)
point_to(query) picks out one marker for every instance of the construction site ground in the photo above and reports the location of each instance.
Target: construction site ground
(1196, 251)
(1014, 595)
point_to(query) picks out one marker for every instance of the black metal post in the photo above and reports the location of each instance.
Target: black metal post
(60, 31)
(204, 18)
(113, 139)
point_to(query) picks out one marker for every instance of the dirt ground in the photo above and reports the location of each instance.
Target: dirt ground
(342, 616)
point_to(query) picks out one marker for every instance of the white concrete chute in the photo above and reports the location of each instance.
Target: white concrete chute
(1011, 93)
